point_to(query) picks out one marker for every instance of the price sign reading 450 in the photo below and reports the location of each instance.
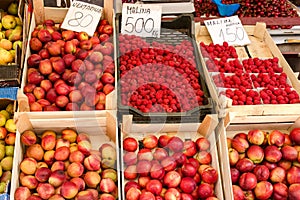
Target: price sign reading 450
(82, 16)
(227, 29)
(142, 20)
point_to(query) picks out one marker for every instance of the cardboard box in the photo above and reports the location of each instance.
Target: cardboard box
(186, 131)
(58, 14)
(11, 74)
(227, 129)
(262, 46)
(101, 130)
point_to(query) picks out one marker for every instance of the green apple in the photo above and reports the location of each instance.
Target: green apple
(13, 8)
(10, 126)
(9, 22)
(2, 119)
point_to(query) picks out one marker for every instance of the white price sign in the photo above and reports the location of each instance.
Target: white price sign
(82, 16)
(142, 20)
(227, 29)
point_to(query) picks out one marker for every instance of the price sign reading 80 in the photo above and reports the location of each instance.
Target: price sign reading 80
(141, 20)
(82, 16)
(227, 29)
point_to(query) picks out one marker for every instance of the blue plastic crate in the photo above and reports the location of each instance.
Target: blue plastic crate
(9, 93)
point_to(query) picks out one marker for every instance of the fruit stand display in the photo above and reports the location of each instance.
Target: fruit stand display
(277, 14)
(116, 116)
(66, 70)
(66, 158)
(13, 29)
(170, 160)
(250, 80)
(260, 160)
(162, 78)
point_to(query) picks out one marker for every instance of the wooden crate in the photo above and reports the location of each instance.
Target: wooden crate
(227, 129)
(101, 130)
(58, 14)
(11, 74)
(262, 46)
(186, 131)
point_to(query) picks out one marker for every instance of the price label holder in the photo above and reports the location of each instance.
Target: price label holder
(83, 16)
(227, 29)
(142, 20)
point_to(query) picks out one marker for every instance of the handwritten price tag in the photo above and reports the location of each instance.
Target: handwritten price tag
(229, 29)
(143, 20)
(82, 16)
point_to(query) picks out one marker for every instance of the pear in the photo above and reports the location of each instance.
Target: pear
(0, 26)
(10, 126)
(1, 172)
(6, 44)
(18, 21)
(8, 32)
(2, 119)
(6, 176)
(5, 57)
(13, 8)
(2, 35)
(6, 163)
(2, 187)
(9, 22)
(16, 44)
(13, 53)
(10, 108)
(16, 34)
(5, 113)
(9, 150)
(2, 151)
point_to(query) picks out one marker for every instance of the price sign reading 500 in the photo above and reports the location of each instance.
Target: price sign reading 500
(141, 20)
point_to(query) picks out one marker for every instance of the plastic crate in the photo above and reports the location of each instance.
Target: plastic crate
(10, 76)
(174, 30)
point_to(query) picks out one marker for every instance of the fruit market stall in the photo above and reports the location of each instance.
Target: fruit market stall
(66, 70)
(66, 158)
(178, 154)
(257, 74)
(260, 160)
(161, 79)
